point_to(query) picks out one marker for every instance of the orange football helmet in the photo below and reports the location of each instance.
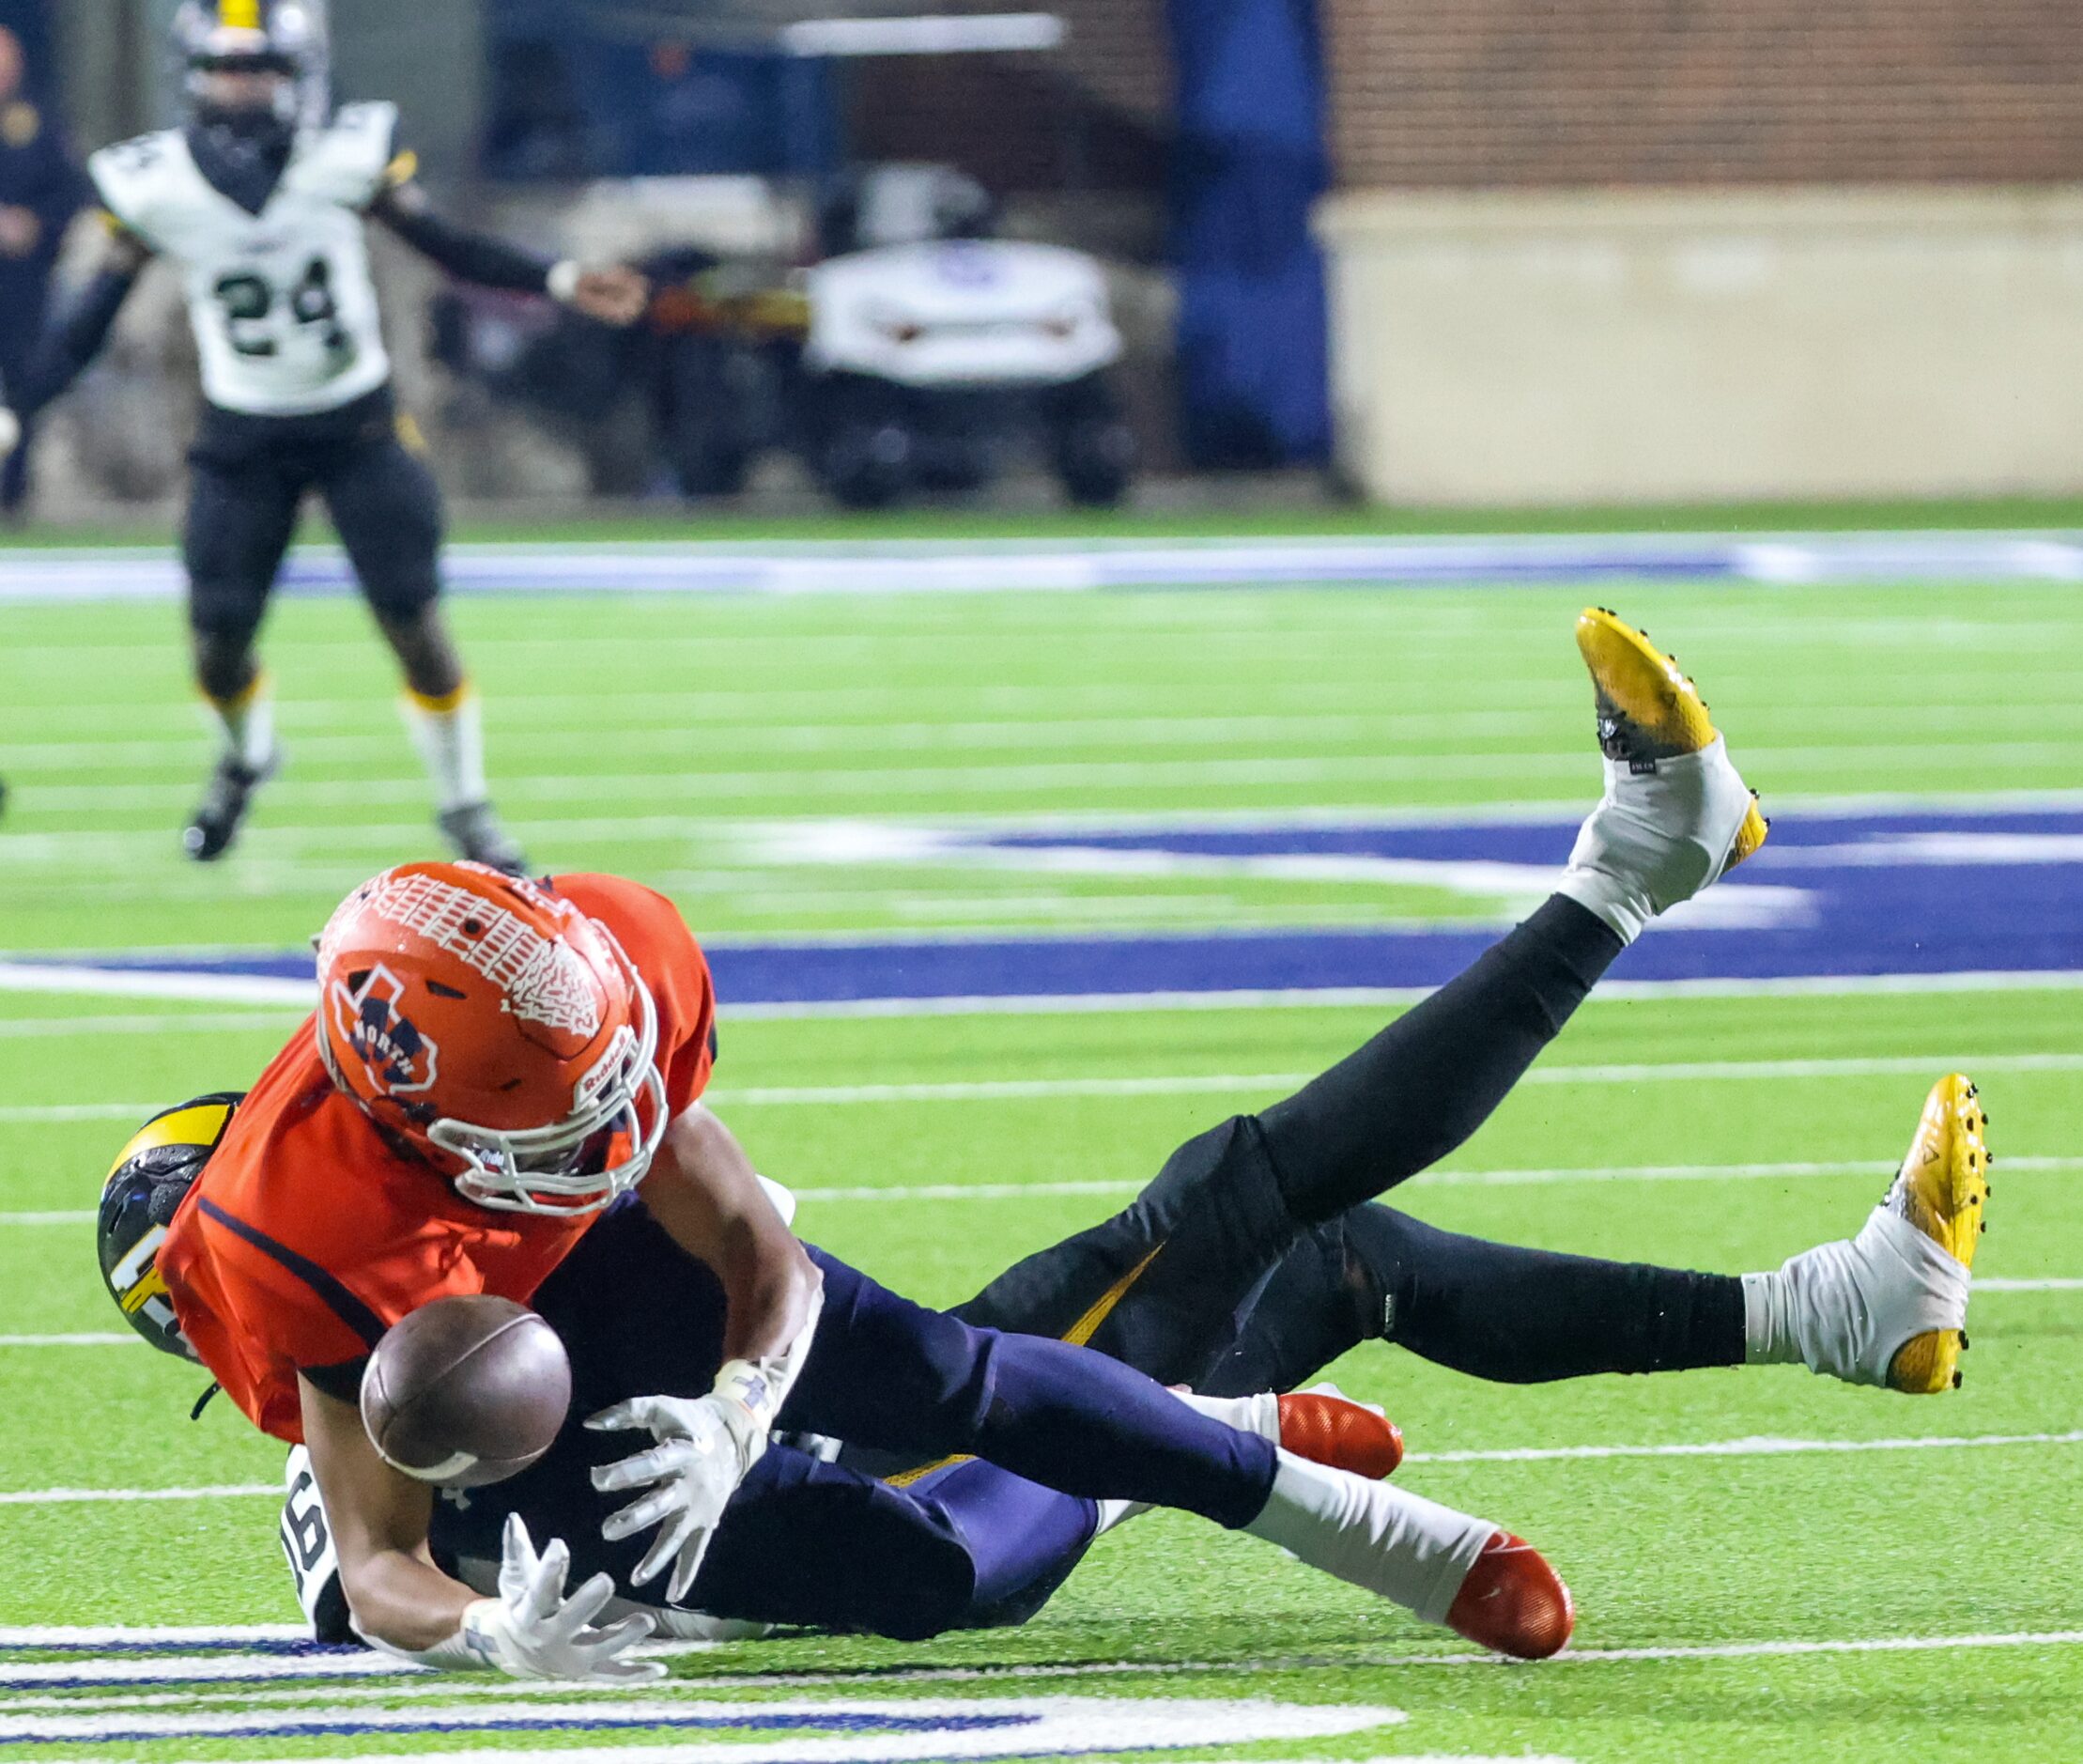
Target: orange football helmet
(495, 1030)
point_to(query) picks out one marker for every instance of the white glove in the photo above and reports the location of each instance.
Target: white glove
(10, 431)
(531, 1631)
(706, 1446)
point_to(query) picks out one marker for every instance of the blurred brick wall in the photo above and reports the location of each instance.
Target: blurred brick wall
(1465, 93)
(1092, 115)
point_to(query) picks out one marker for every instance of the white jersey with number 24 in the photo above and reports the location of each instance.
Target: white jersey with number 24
(284, 308)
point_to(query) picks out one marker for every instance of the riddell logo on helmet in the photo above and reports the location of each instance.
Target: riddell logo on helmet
(399, 1058)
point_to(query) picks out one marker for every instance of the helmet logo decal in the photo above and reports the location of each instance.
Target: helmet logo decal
(556, 991)
(399, 1058)
(544, 980)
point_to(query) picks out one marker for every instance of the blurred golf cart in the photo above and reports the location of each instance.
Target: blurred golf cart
(919, 352)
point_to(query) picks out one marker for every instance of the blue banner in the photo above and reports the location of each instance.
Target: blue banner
(575, 95)
(1249, 163)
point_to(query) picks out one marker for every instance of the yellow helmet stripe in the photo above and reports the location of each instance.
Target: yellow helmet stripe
(239, 15)
(199, 1123)
(153, 1285)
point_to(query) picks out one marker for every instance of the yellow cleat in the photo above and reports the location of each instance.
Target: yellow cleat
(1648, 710)
(1943, 1190)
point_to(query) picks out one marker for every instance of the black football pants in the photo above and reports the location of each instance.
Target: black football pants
(1255, 1258)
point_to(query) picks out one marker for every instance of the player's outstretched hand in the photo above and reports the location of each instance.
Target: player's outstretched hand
(615, 295)
(705, 1447)
(533, 1631)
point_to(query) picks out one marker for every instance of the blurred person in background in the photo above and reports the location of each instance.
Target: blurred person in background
(41, 191)
(262, 201)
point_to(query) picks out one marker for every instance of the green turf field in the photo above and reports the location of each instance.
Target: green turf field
(1772, 1568)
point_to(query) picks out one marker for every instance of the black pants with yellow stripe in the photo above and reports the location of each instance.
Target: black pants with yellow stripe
(1258, 1255)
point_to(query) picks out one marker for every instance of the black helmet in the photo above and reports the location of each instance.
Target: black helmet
(285, 37)
(152, 1176)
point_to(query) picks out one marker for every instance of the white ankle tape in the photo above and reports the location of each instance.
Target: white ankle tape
(1656, 838)
(1844, 1310)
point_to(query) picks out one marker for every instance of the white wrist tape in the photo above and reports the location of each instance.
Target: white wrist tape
(470, 1650)
(564, 277)
(760, 1387)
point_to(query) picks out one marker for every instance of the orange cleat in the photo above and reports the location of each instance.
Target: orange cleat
(1327, 1427)
(1512, 1602)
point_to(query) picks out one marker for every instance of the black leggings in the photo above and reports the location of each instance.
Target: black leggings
(242, 514)
(1254, 1259)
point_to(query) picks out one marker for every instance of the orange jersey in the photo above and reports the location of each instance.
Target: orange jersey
(307, 1235)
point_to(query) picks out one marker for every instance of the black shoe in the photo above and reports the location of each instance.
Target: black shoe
(216, 821)
(474, 831)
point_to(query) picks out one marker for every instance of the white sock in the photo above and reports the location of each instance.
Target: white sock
(1374, 1535)
(245, 725)
(1844, 1308)
(1656, 838)
(1115, 1513)
(450, 734)
(1259, 1415)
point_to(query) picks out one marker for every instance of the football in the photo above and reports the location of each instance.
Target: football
(466, 1391)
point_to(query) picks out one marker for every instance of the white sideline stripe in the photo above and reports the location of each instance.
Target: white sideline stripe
(1753, 1446)
(1760, 1446)
(81, 1217)
(93, 1338)
(447, 1689)
(115, 984)
(296, 995)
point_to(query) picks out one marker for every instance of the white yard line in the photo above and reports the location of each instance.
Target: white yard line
(1755, 1447)
(43, 1114)
(93, 1338)
(1987, 1283)
(1763, 1447)
(907, 1193)
(1196, 1083)
(154, 1023)
(324, 1672)
(63, 1497)
(116, 1700)
(117, 1635)
(695, 784)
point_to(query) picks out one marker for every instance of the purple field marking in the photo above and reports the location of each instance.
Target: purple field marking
(30, 575)
(1895, 892)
